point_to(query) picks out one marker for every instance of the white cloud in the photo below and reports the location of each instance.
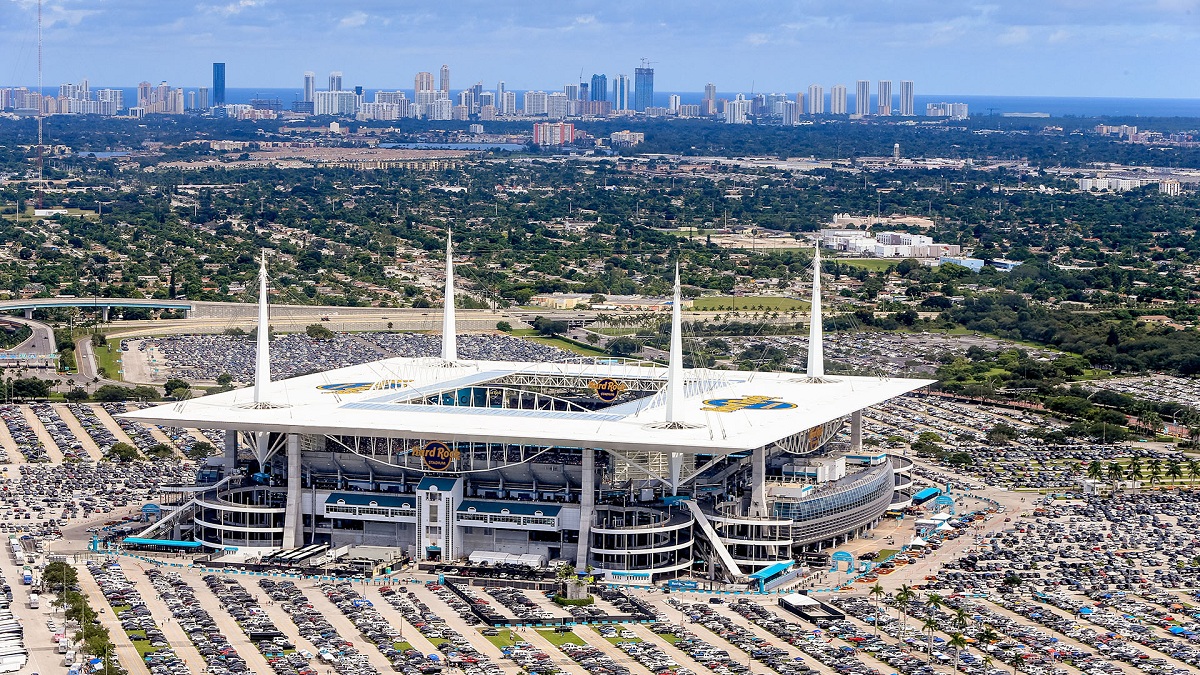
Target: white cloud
(1015, 35)
(1059, 36)
(235, 8)
(356, 19)
(758, 39)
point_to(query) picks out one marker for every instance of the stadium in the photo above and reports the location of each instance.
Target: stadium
(637, 471)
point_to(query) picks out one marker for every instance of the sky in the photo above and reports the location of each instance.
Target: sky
(1104, 48)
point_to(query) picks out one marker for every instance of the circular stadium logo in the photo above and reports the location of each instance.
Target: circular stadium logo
(746, 403)
(437, 455)
(607, 390)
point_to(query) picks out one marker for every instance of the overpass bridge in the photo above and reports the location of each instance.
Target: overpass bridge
(28, 305)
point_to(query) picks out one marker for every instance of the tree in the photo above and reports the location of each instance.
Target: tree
(1193, 469)
(1115, 474)
(547, 327)
(930, 626)
(122, 453)
(200, 451)
(933, 603)
(224, 379)
(99, 340)
(1156, 470)
(58, 575)
(502, 326)
(623, 346)
(175, 383)
(159, 451)
(904, 596)
(1095, 470)
(76, 394)
(877, 593)
(1174, 469)
(318, 332)
(30, 387)
(957, 643)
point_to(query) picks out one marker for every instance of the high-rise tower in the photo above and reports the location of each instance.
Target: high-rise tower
(310, 85)
(816, 99)
(885, 98)
(906, 98)
(862, 97)
(708, 106)
(643, 86)
(218, 90)
(622, 87)
(335, 81)
(423, 82)
(445, 80)
(837, 99)
(599, 87)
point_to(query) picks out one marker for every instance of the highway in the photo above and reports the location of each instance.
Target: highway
(40, 342)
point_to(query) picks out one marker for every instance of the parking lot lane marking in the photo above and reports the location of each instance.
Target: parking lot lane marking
(85, 439)
(56, 456)
(127, 654)
(111, 424)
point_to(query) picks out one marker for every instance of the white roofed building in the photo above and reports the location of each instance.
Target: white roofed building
(624, 466)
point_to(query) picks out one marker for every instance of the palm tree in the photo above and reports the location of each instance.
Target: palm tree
(1115, 474)
(986, 662)
(957, 643)
(904, 596)
(1095, 470)
(877, 593)
(930, 626)
(960, 620)
(934, 602)
(1174, 469)
(1193, 469)
(1155, 470)
(1135, 469)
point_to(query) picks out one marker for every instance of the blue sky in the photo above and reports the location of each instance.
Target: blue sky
(1121, 48)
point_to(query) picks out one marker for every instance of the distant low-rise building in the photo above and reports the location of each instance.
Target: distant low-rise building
(626, 139)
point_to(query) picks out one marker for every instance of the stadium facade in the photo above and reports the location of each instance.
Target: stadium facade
(639, 471)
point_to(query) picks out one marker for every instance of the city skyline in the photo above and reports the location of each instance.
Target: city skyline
(1020, 49)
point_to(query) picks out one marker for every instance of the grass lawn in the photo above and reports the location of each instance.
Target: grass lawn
(559, 639)
(669, 637)
(750, 302)
(401, 646)
(885, 553)
(109, 358)
(504, 639)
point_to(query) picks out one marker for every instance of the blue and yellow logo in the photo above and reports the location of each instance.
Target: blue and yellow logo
(437, 455)
(359, 387)
(607, 389)
(746, 403)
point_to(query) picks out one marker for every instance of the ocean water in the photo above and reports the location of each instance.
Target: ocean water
(1056, 106)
